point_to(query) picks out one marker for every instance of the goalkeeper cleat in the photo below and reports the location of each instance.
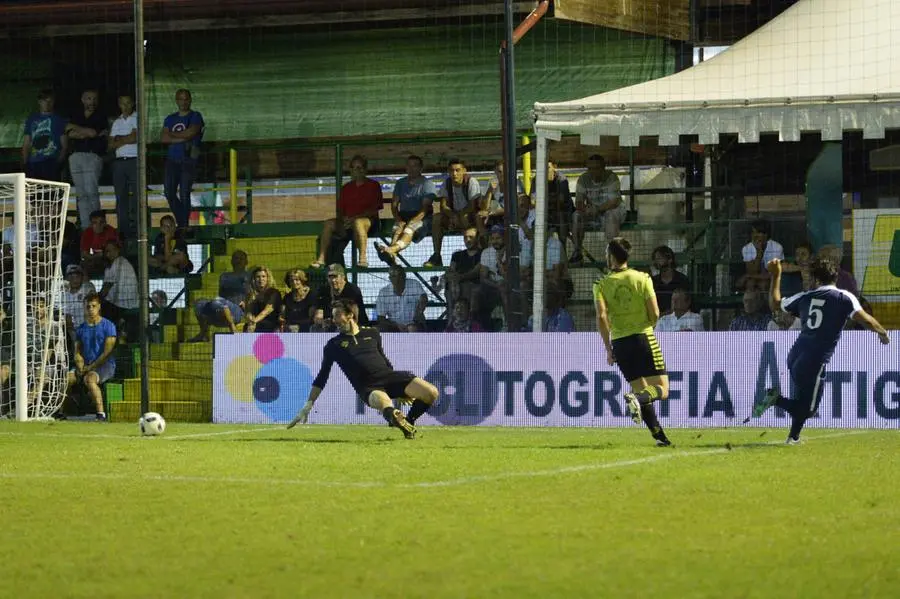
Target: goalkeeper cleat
(768, 401)
(400, 421)
(664, 442)
(634, 407)
(792, 441)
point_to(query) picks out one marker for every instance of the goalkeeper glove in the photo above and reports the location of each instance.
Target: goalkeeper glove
(302, 416)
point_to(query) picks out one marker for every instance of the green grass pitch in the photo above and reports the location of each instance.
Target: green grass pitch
(94, 510)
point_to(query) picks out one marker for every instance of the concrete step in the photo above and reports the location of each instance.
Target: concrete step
(172, 411)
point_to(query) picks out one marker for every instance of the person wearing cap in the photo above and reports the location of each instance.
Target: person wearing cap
(339, 287)
(78, 287)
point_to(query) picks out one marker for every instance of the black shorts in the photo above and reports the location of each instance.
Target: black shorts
(393, 383)
(639, 356)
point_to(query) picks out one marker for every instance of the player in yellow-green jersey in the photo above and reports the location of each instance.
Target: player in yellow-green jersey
(626, 314)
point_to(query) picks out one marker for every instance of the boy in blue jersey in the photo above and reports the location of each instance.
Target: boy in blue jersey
(94, 360)
(823, 311)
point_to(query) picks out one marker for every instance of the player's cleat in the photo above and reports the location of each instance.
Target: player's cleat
(792, 441)
(664, 442)
(434, 260)
(634, 407)
(768, 401)
(400, 421)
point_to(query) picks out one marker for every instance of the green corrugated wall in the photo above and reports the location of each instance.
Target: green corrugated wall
(272, 84)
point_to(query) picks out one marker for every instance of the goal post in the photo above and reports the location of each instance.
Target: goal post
(35, 382)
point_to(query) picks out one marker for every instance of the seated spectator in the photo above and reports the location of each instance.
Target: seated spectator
(71, 248)
(159, 299)
(357, 212)
(598, 203)
(93, 244)
(228, 308)
(463, 273)
(460, 320)
(845, 280)
(298, 303)
(784, 321)
(412, 206)
(757, 254)
(263, 303)
(120, 286)
(73, 294)
(400, 303)
(95, 345)
(492, 274)
(458, 200)
(556, 271)
(170, 252)
(795, 275)
(556, 318)
(560, 208)
(668, 279)
(339, 288)
(681, 318)
(755, 316)
(320, 324)
(33, 242)
(492, 207)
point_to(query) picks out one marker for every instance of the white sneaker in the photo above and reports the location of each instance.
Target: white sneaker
(793, 441)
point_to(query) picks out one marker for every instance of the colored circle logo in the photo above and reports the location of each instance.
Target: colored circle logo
(468, 389)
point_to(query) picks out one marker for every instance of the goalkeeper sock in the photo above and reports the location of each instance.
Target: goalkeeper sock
(797, 423)
(418, 408)
(648, 415)
(649, 394)
(388, 414)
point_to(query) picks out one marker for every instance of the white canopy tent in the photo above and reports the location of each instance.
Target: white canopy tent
(825, 66)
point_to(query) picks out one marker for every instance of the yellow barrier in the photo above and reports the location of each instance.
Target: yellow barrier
(526, 166)
(233, 179)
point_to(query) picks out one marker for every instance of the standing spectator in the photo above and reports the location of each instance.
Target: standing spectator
(412, 206)
(598, 203)
(357, 213)
(339, 288)
(400, 303)
(182, 132)
(560, 208)
(228, 308)
(123, 140)
(95, 362)
(120, 286)
(493, 205)
(681, 318)
(170, 252)
(263, 303)
(459, 198)
(667, 279)
(45, 146)
(845, 280)
(755, 316)
(93, 243)
(757, 254)
(492, 271)
(298, 303)
(461, 321)
(87, 131)
(71, 247)
(73, 295)
(463, 274)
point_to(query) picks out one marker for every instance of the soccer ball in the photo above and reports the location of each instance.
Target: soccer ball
(152, 424)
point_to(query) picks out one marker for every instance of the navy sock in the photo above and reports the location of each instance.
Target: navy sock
(797, 423)
(388, 414)
(649, 394)
(785, 404)
(648, 415)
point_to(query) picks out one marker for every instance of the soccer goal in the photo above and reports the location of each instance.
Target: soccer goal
(33, 355)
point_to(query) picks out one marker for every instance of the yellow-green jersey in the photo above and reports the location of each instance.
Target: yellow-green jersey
(626, 293)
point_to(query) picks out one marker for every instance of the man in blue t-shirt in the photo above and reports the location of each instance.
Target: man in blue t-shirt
(182, 132)
(823, 311)
(94, 347)
(44, 147)
(411, 206)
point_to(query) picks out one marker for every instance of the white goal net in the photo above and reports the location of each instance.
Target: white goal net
(33, 354)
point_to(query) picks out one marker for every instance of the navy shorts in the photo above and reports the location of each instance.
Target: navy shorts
(393, 384)
(807, 381)
(639, 356)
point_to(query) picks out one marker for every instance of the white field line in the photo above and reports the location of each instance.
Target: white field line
(666, 455)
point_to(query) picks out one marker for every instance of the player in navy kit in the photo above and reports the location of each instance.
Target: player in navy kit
(822, 311)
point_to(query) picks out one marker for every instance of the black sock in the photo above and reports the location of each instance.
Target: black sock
(388, 414)
(649, 394)
(648, 414)
(797, 423)
(417, 408)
